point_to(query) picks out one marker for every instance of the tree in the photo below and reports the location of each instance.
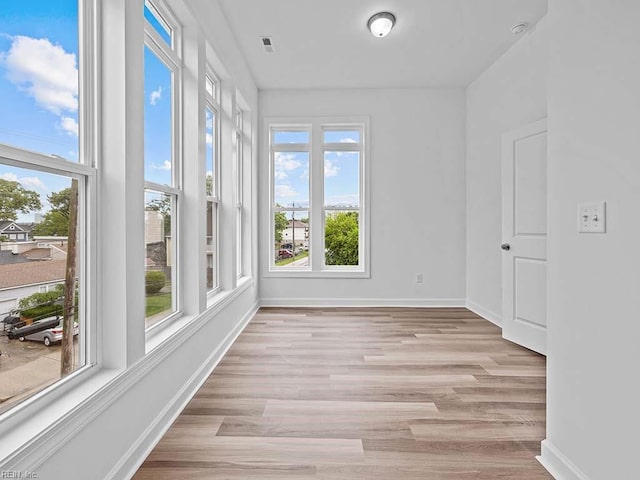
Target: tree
(164, 207)
(341, 239)
(14, 199)
(281, 222)
(56, 221)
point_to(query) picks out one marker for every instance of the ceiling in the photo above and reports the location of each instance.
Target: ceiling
(326, 44)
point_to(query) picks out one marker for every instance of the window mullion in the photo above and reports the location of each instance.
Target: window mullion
(316, 210)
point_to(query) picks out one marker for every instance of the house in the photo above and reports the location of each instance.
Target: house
(435, 102)
(16, 232)
(296, 231)
(19, 280)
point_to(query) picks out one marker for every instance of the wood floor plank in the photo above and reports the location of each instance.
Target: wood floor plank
(359, 394)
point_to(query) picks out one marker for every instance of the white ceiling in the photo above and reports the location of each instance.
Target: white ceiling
(325, 43)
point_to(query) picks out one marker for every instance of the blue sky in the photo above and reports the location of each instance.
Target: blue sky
(39, 86)
(39, 92)
(341, 171)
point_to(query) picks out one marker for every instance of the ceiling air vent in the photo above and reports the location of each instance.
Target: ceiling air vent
(267, 44)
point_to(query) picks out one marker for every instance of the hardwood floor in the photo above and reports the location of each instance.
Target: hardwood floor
(372, 393)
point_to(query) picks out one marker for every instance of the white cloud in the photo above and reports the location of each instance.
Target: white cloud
(348, 140)
(209, 139)
(155, 96)
(285, 191)
(69, 125)
(30, 183)
(33, 183)
(10, 177)
(44, 71)
(330, 169)
(165, 166)
(284, 163)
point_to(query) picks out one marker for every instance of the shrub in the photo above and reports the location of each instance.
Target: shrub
(43, 311)
(154, 282)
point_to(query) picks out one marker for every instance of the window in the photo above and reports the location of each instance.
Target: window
(162, 162)
(239, 178)
(46, 173)
(317, 213)
(212, 180)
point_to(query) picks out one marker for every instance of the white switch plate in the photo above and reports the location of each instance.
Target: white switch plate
(592, 217)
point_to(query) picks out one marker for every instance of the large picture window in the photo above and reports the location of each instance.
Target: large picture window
(162, 162)
(317, 213)
(47, 181)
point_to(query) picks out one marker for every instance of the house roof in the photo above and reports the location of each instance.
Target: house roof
(20, 274)
(6, 257)
(22, 227)
(297, 224)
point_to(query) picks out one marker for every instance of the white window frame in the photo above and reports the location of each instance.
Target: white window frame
(238, 161)
(212, 103)
(316, 147)
(171, 57)
(85, 171)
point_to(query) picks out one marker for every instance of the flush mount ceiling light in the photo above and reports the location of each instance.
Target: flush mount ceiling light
(519, 28)
(381, 24)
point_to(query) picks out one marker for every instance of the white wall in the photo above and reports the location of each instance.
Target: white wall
(417, 188)
(594, 279)
(510, 93)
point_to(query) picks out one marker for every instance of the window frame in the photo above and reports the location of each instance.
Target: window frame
(85, 170)
(171, 57)
(238, 168)
(316, 209)
(212, 103)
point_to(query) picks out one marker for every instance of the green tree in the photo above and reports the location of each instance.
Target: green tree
(56, 221)
(164, 207)
(14, 199)
(341, 239)
(281, 222)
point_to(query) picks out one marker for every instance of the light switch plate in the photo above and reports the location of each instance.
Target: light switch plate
(592, 217)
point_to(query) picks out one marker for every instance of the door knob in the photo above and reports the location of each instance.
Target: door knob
(505, 246)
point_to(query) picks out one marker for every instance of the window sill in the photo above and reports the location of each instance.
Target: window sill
(320, 274)
(170, 329)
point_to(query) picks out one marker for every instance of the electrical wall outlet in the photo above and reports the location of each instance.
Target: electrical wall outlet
(592, 217)
(418, 278)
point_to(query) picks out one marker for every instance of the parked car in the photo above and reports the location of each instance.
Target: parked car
(284, 253)
(50, 335)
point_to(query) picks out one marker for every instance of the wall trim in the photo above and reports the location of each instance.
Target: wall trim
(146, 442)
(557, 464)
(363, 302)
(485, 313)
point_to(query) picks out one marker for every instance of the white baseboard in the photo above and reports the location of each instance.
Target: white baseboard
(558, 465)
(135, 456)
(485, 313)
(362, 302)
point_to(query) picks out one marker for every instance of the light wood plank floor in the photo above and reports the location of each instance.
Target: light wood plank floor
(375, 393)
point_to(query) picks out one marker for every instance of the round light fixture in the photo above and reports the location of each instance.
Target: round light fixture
(381, 24)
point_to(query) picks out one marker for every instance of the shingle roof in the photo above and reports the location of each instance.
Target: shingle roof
(15, 275)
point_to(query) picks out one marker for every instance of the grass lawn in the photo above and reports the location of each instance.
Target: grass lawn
(287, 261)
(158, 303)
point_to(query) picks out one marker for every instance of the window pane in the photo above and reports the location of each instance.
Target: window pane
(158, 154)
(290, 136)
(39, 76)
(212, 274)
(158, 23)
(33, 299)
(291, 179)
(341, 238)
(342, 179)
(210, 151)
(239, 243)
(158, 236)
(341, 136)
(291, 235)
(208, 86)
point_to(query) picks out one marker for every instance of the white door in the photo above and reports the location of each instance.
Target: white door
(524, 236)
